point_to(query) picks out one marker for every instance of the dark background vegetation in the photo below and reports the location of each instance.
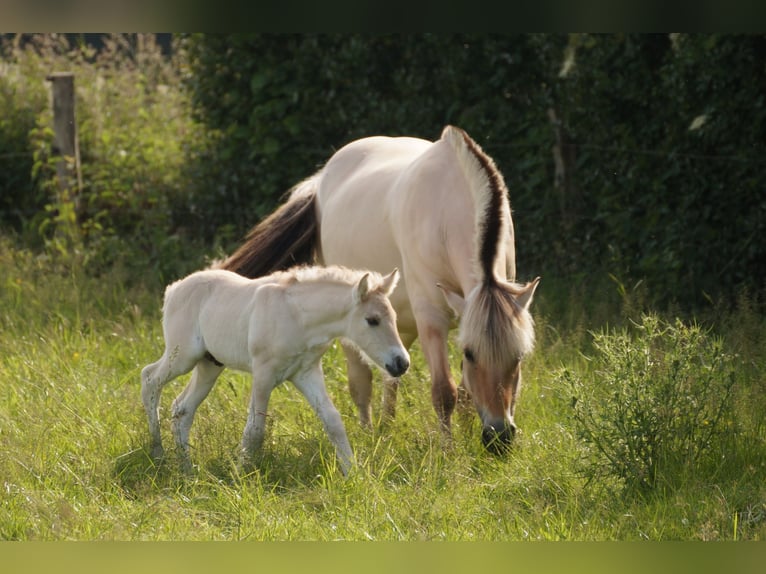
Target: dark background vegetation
(635, 156)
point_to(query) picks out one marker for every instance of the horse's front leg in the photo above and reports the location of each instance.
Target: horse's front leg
(311, 384)
(359, 384)
(433, 332)
(391, 384)
(255, 428)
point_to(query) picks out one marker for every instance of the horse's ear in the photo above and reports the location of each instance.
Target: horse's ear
(455, 301)
(390, 282)
(525, 295)
(362, 289)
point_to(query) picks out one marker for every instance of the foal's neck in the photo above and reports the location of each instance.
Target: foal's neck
(324, 307)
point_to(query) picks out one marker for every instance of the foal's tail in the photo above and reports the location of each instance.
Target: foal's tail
(285, 238)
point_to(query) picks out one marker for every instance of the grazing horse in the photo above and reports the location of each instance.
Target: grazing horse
(439, 211)
(277, 328)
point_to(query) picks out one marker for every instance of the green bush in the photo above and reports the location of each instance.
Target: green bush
(668, 134)
(657, 406)
(661, 138)
(135, 135)
(20, 102)
(278, 106)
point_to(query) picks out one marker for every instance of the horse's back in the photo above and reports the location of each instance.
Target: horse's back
(353, 200)
(395, 202)
(214, 310)
(193, 289)
(371, 157)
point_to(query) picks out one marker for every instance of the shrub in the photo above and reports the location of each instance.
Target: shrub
(20, 102)
(135, 134)
(667, 134)
(656, 405)
(275, 123)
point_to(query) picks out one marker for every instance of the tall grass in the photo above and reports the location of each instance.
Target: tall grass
(74, 465)
(78, 321)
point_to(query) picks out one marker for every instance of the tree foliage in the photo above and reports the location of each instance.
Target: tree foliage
(660, 137)
(280, 105)
(669, 133)
(638, 156)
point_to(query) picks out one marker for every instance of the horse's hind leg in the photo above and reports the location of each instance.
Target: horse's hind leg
(359, 383)
(153, 378)
(185, 405)
(391, 386)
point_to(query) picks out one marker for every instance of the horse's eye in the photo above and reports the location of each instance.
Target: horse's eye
(373, 321)
(468, 354)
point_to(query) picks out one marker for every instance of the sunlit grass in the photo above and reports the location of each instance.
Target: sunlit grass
(74, 466)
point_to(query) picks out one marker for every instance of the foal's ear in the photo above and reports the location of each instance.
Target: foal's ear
(455, 301)
(390, 282)
(362, 289)
(524, 296)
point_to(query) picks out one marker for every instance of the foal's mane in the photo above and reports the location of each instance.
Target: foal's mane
(330, 274)
(494, 325)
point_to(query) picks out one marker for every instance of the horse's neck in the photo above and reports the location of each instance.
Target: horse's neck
(323, 308)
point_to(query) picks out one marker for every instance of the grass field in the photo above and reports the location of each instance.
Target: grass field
(73, 464)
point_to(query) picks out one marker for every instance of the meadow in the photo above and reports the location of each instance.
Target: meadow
(635, 424)
(598, 458)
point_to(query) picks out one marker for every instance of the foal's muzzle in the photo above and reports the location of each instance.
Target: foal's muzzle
(498, 441)
(398, 366)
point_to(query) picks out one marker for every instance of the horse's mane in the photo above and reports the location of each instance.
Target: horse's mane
(496, 327)
(490, 196)
(329, 274)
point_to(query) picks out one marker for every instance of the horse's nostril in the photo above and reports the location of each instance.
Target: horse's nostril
(398, 367)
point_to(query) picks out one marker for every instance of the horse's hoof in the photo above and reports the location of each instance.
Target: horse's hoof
(157, 453)
(187, 468)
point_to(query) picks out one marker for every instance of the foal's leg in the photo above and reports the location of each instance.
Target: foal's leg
(359, 383)
(153, 378)
(264, 381)
(185, 405)
(311, 384)
(391, 384)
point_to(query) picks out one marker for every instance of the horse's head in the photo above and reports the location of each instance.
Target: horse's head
(496, 333)
(372, 323)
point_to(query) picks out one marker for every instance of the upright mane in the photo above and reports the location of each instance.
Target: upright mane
(490, 197)
(496, 328)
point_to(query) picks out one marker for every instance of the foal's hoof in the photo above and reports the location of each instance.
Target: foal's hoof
(247, 464)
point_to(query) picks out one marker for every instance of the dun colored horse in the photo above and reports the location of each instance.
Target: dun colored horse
(439, 211)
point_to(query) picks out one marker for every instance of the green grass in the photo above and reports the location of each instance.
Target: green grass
(73, 464)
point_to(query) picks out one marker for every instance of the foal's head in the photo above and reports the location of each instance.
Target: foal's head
(372, 323)
(496, 333)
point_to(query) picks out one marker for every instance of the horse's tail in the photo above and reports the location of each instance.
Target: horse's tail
(285, 238)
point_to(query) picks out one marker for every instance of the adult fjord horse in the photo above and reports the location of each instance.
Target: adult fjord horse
(438, 211)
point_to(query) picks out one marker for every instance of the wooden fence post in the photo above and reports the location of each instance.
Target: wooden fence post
(65, 146)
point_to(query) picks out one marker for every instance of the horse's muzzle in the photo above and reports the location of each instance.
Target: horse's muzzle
(398, 366)
(498, 441)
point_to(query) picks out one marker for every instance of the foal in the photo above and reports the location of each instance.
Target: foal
(276, 327)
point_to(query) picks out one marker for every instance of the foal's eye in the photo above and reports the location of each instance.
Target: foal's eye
(468, 354)
(373, 321)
